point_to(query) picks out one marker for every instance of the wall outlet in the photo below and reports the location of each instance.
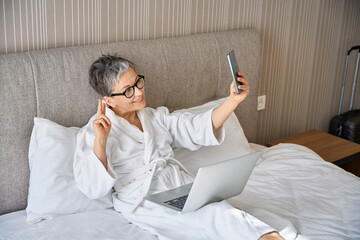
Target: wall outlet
(261, 102)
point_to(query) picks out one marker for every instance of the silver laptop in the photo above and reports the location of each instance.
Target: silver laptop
(212, 184)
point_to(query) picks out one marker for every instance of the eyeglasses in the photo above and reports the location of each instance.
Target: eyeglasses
(129, 92)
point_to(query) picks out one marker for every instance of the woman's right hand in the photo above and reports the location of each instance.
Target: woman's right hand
(101, 124)
(102, 127)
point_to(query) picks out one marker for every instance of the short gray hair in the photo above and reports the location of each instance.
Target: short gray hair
(105, 72)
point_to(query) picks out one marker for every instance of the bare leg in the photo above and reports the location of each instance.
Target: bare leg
(271, 236)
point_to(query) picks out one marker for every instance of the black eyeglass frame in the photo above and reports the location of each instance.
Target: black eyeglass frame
(141, 78)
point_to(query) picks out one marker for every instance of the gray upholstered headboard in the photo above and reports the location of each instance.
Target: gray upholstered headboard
(180, 72)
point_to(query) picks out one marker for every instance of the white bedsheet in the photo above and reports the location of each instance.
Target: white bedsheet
(99, 225)
(291, 187)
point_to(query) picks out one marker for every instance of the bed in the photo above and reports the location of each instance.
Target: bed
(45, 98)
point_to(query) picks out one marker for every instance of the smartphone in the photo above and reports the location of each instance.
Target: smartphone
(234, 69)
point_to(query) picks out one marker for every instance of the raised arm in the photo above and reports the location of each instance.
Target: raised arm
(222, 112)
(93, 176)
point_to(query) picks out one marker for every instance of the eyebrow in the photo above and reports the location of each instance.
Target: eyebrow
(127, 86)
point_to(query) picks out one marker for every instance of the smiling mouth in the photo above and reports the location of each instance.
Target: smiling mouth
(139, 100)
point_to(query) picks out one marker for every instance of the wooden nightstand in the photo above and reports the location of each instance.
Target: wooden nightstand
(339, 151)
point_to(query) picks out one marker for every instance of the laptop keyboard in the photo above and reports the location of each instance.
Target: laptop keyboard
(178, 202)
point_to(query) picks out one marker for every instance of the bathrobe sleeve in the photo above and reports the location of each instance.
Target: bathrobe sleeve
(90, 175)
(190, 130)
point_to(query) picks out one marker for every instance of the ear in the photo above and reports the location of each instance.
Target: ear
(109, 101)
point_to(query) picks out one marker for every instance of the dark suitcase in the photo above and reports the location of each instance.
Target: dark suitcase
(347, 125)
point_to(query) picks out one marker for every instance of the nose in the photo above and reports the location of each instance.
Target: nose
(138, 92)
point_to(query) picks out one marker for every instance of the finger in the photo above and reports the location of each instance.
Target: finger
(107, 119)
(105, 123)
(244, 88)
(103, 107)
(99, 107)
(241, 74)
(102, 122)
(243, 81)
(104, 117)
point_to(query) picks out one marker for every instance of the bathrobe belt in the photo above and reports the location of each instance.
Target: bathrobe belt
(150, 170)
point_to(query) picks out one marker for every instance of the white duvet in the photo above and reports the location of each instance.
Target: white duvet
(293, 185)
(291, 188)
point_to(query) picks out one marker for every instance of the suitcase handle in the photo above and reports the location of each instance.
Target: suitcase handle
(357, 47)
(353, 48)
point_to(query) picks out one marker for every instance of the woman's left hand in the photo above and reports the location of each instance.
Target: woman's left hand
(222, 112)
(245, 88)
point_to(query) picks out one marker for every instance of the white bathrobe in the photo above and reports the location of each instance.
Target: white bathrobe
(140, 163)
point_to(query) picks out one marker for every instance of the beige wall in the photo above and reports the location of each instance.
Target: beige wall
(303, 42)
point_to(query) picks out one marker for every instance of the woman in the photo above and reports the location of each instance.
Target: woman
(128, 147)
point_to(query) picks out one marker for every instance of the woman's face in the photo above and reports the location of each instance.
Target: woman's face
(121, 104)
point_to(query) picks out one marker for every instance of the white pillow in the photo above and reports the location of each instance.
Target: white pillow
(235, 143)
(52, 188)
